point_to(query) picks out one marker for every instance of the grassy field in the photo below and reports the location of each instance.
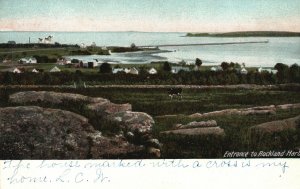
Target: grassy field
(156, 102)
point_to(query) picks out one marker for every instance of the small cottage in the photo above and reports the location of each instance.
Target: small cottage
(152, 71)
(55, 69)
(176, 69)
(17, 70)
(117, 70)
(35, 71)
(268, 70)
(243, 71)
(133, 71)
(30, 60)
(216, 68)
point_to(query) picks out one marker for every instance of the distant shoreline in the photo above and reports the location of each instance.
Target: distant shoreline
(246, 34)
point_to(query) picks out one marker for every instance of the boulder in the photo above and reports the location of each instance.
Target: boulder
(242, 111)
(288, 106)
(104, 115)
(195, 124)
(51, 97)
(275, 135)
(277, 126)
(216, 131)
(104, 108)
(135, 122)
(100, 106)
(31, 132)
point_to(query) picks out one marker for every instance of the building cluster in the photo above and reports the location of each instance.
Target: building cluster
(34, 70)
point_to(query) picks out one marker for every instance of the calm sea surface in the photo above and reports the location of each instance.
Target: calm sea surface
(285, 50)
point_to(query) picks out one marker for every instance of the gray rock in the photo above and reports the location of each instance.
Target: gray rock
(275, 134)
(195, 124)
(135, 122)
(31, 132)
(51, 97)
(153, 143)
(277, 126)
(242, 111)
(288, 106)
(98, 110)
(216, 131)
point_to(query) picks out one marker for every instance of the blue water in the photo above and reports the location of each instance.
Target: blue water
(285, 50)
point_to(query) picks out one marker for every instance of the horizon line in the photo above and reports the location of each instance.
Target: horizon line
(147, 31)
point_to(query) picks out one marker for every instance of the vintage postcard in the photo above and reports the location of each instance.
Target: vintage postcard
(148, 83)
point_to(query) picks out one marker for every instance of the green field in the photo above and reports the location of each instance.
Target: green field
(156, 102)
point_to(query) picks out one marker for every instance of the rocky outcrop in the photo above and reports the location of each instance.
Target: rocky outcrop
(195, 136)
(51, 97)
(101, 106)
(275, 134)
(135, 122)
(133, 127)
(243, 111)
(288, 106)
(96, 109)
(195, 124)
(215, 131)
(277, 126)
(31, 132)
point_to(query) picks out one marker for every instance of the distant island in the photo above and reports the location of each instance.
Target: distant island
(247, 34)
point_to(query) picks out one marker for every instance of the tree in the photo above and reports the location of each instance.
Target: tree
(280, 67)
(198, 62)
(224, 66)
(295, 73)
(105, 68)
(133, 46)
(283, 72)
(167, 67)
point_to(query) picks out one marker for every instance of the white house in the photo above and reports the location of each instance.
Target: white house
(82, 45)
(127, 70)
(117, 70)
(55, 69)
(152, 71)
(216, 68)
(30, 60)
(243, 71)
(35, 70)
(17, 70)
(133, 71)
(269, 70)
(97, 62)
(176, 69)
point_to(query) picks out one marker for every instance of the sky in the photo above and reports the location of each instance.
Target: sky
(150, 15)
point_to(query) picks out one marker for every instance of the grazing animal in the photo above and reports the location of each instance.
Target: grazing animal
(177, 92)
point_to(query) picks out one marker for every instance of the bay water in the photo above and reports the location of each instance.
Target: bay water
(279, 49)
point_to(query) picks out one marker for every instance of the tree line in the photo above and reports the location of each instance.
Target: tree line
(285, 74)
